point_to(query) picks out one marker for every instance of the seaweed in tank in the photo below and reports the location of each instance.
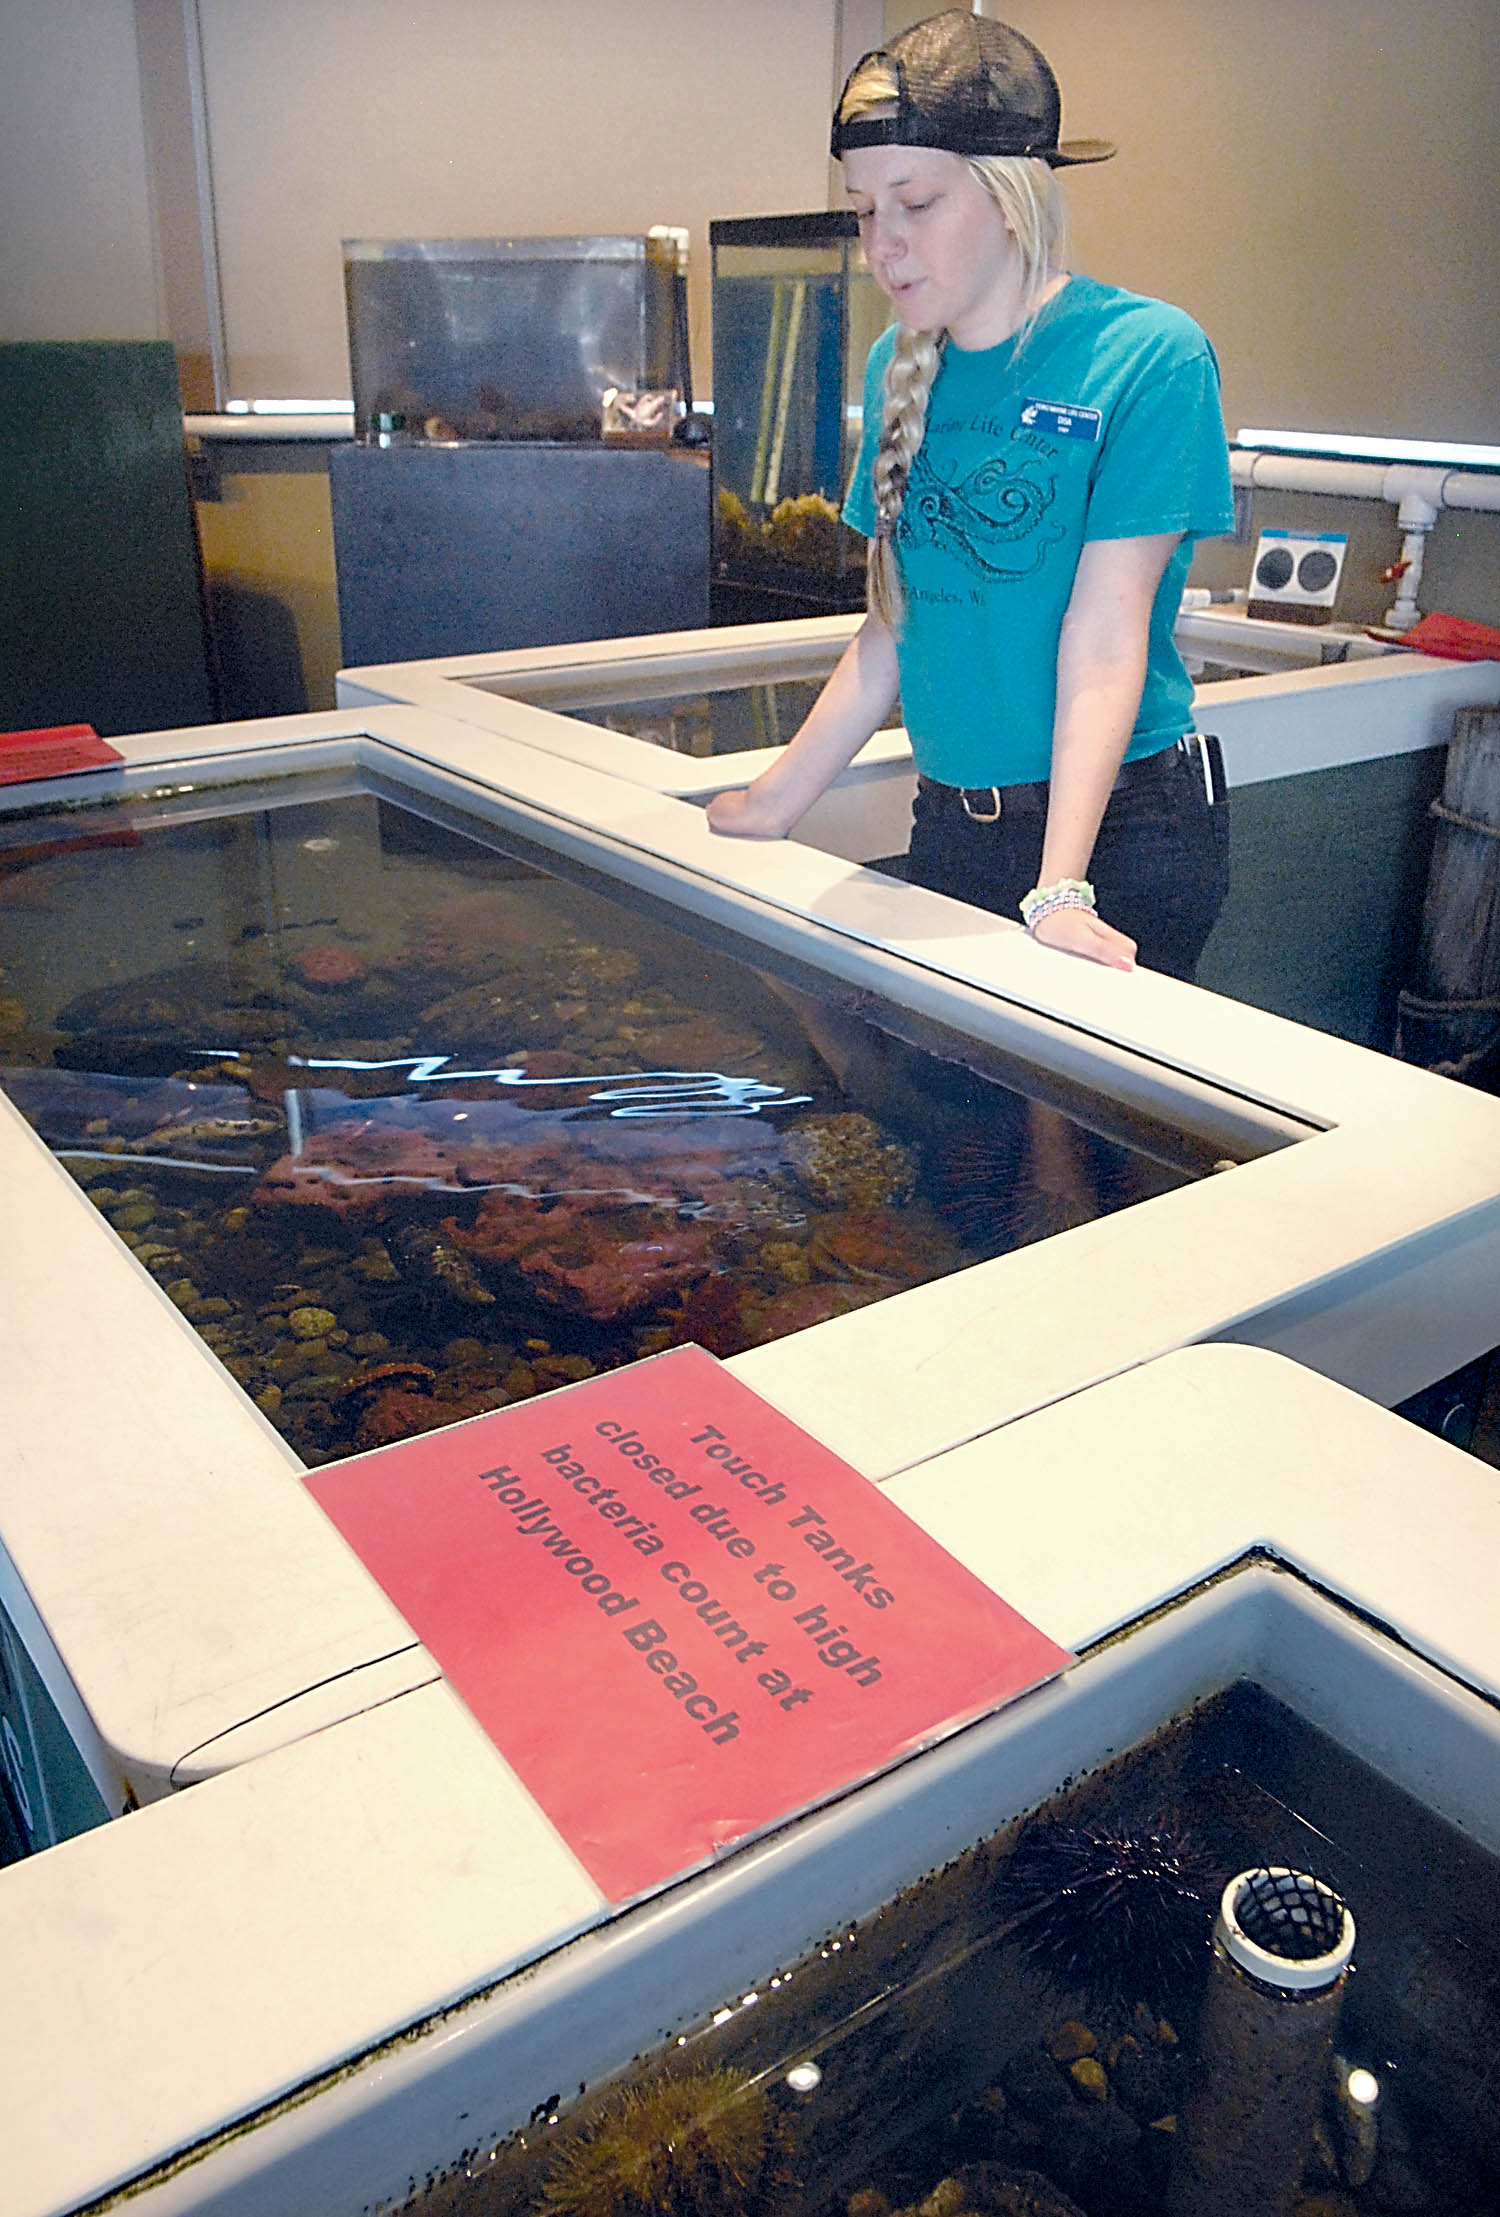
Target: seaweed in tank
(801, 532)
(709, 2144)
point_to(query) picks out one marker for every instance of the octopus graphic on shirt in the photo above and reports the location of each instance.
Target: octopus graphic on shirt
(993, 518)
(1102, 423)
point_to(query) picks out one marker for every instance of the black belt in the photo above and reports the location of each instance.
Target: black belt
(986, 804)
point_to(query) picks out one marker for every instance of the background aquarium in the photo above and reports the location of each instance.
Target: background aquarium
(1020, 2033)
(410, 1124)
(795, 312)
(510, 338)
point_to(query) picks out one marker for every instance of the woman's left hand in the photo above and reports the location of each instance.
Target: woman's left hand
(1078, 931)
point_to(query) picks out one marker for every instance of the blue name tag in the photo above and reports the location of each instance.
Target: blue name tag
(1063, 423)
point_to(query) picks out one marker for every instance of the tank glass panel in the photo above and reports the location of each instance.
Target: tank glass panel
(1026, 2033)
(725, 721)
(686, 716)
(411, 1121)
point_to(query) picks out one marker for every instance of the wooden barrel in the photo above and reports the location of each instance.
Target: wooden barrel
(1448, 1019)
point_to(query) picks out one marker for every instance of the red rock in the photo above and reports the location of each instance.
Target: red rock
(395, 1414)
(360, 1167)
(711, 1316)
(327, 966)
(622, 1275)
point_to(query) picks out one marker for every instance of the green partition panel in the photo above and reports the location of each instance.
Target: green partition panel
(101, 602)
(1327, 875)
(46, 1791)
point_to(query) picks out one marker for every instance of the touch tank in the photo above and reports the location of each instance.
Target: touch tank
(706, 722)
(705, 699)
(182, 1609)
(795, 313)
(1046, 2027)
(316, 938)
(410, 1122)
(969, 1984)
(1367, 1246)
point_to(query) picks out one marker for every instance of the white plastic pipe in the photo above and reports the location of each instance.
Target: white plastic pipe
(1389, 481)
(1416, 516)
(1418, 495)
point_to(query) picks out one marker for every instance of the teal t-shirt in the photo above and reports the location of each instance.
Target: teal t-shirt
(1105, 424)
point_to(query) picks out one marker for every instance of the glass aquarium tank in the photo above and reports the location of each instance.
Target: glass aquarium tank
(708, 721)
(493, 339)
(795, 312)
(1031, 2031)
(707, 705)
(411, 1121)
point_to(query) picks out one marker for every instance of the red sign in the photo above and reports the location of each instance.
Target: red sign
(54, 752)
(678, 1617)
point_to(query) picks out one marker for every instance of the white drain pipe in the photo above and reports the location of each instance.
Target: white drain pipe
(1418, 495)
(1416, 516)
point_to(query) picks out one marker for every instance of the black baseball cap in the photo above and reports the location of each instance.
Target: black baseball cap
(967, 85)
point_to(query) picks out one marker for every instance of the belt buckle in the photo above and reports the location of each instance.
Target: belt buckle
(977, 816)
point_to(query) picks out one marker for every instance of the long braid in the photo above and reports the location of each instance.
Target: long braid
(908, 384)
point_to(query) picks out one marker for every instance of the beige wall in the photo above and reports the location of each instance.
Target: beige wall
(76, 255)
(1317, 181)
(372, 118)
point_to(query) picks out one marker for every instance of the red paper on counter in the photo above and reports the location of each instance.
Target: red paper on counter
(678, 1617)
(55, 751)
(1451, 638)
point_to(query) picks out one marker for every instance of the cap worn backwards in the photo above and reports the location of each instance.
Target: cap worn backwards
(966, 85)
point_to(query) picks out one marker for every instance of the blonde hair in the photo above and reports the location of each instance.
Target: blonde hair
(1025, 191)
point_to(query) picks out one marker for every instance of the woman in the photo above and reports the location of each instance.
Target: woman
(1040, 453)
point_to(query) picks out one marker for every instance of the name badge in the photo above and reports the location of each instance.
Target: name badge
(1063, 423)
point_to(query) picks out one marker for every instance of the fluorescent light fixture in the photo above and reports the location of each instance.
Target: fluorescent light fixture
(288, 407)
(1453, 454)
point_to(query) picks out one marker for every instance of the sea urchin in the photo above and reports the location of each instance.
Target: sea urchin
(1125, 1915)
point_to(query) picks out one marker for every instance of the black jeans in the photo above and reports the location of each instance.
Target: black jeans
(1160, 867)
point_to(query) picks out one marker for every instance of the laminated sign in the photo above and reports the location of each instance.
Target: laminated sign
(678, 1617)
(54, 751)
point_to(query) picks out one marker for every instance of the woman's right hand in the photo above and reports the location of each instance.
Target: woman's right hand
(850, 707)
(1078, 931)
(750, 813)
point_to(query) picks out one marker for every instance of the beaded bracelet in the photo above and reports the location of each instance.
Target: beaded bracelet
(1046, 900)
